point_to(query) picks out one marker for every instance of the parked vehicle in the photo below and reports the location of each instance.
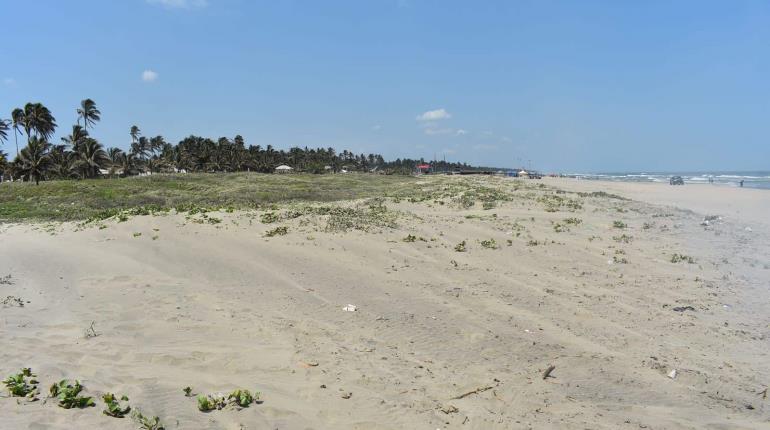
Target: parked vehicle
(676, 180)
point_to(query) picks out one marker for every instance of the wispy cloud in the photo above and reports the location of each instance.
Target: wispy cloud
(9, 82)
(434, 115)
(376, 127)
(433, 131)
(149, 76)
(179, 4)
(484, 147)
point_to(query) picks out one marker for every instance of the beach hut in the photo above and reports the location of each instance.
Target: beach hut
(523, 174)
(283, 169)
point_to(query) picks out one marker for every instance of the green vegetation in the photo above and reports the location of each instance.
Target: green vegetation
(239, 398)
(555, 202)
(678, 258)
(243, 398)
(113, 406)
(572, 221)
(22, 384)
(602, 195)
(269, 218)
(278, 231)
(460, 247)
(624, 238)
(69, 395)
(187, 391)
(619, 224)
(409, 238)
(489, 244)
(100, 199)
(147, 423)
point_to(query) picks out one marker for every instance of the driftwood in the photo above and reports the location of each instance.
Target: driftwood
(476, 391)
(548, 371)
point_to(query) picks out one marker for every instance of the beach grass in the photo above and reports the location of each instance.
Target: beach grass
(88, 199)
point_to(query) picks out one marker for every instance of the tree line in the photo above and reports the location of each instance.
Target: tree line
(79, 155)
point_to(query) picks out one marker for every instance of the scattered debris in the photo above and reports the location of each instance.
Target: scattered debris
(91, 331)
(13, 301)
(763, 393)
(449, 409)
(347, 395)
(672, 374)
(6, 280)
(683, 308)
(548, 371)
(350, 308)
(477, 390)
(308, 364)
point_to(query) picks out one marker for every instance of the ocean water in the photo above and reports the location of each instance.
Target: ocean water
(759, 179)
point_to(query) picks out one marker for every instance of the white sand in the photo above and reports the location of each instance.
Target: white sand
(218, 307)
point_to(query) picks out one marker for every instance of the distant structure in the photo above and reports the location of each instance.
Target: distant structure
(422, 168)
(283, 169)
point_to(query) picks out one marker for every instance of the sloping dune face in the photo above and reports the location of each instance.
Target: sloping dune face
(465, 293)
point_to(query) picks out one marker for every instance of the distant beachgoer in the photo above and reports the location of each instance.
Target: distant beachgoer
(711, 179)
(741, 183)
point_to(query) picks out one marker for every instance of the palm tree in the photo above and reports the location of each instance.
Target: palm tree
(38, 119)
(114, 154)
(17, 117)
(89, 113)
(61, 162)
(135, 133)
(78, 134)
(4, 127)
(127, 162)
(34, 159)
(91, 157)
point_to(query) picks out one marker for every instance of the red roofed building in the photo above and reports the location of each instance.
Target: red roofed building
(423, 168)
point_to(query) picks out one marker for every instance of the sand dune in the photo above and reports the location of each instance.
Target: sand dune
(440, 338)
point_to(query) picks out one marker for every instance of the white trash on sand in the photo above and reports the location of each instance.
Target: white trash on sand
(349, 308)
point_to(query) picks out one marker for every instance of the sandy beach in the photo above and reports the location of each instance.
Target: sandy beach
(650, 317)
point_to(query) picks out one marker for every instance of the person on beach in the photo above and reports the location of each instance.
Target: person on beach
(741, 183)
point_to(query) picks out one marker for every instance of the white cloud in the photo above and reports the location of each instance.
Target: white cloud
(179, 4)
(376, 127)
(149, 76)
(434, 115)
(461, 132)
(9, 81)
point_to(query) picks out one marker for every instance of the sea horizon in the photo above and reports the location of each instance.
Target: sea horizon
(751, 178)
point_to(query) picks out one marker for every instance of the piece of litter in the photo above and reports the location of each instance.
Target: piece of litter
(672, 374)
(449, 409)
(683, 308)
(349, 308)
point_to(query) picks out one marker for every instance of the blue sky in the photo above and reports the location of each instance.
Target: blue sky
(572, 85)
